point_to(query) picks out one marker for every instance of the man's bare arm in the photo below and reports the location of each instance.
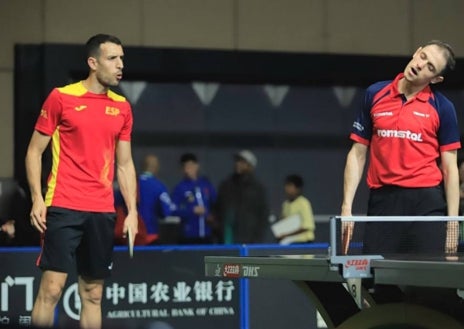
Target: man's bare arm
(354, 168)
(128, 184)
(37, 146)
(451, 184)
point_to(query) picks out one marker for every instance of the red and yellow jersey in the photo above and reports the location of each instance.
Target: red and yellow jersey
(85, 128)
(405, 137)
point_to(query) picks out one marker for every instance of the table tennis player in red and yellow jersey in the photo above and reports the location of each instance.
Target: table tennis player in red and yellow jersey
(89, 129)
(85, 128)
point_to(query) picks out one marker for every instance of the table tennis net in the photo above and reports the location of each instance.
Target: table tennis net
(404, 236)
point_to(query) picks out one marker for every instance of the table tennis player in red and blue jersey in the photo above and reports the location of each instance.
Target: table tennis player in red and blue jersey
(412, 134)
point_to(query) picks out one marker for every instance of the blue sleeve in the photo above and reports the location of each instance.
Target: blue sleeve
(448, 132)
(167, 206)
(362, 125)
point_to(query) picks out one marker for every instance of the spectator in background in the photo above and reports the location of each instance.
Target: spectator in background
(193, 197)
(153, 204)
(242, 210)
(15, 227)
(297, 204)
(154, 201)
(7, 231)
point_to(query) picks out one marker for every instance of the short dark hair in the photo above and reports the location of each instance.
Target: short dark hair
(296, 180)
(449, 53)
(92, 46)
(186, 157)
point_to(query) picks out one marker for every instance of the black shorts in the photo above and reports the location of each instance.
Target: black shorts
(405, 237)
(78, 240)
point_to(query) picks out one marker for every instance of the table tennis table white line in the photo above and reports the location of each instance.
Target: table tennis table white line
(400, 218)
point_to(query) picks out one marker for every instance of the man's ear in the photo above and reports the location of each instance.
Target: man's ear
(92, 62)
(437, 79)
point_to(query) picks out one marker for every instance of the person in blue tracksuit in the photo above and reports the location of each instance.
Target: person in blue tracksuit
(193, 196)
(154, 201)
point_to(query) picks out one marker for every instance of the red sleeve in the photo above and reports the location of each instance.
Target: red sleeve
(126, 131)
(50, 114)
(356, 138)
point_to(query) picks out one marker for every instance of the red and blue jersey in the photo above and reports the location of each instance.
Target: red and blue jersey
(85, 128)
(405, 137)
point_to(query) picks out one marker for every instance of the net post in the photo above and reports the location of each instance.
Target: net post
(335, 232)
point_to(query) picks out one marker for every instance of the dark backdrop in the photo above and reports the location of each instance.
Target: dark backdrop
(217, 102)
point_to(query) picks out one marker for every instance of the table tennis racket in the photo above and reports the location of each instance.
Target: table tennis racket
(346, 237)
(130, 242)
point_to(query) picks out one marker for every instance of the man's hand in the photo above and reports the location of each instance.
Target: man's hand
(132, 222)
(199, 210)
(347, 234)
(452, 236)
(39, 215)
(347, 229)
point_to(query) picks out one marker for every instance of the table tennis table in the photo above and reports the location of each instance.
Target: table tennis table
(422, 293)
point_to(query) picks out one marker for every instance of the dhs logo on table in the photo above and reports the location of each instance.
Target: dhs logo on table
(251, 271)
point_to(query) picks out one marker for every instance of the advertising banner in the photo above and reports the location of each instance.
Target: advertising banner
(19, 282)
(160, 288)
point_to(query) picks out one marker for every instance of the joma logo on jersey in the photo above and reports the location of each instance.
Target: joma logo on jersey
(112, 110)
(406, 134)
(43, 113)
(80, 108)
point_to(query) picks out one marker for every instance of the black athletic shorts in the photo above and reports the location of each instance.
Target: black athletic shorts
(405, 237)
(78, 240)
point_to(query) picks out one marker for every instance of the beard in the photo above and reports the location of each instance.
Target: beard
(107, 81)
